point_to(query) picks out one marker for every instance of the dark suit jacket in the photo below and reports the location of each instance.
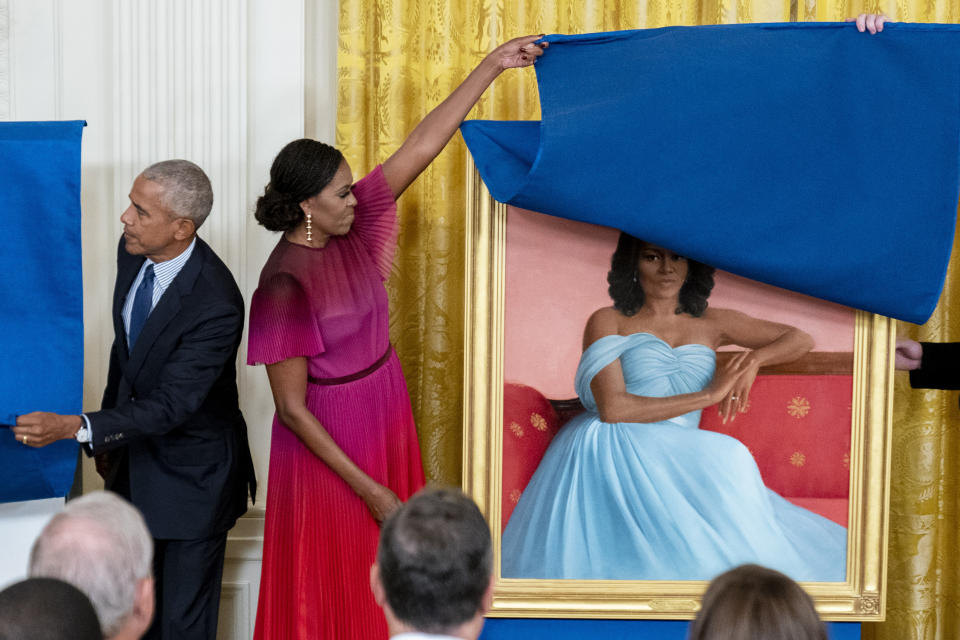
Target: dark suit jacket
(940, 367)
(171, 407)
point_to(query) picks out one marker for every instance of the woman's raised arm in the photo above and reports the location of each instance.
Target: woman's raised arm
(429, 137)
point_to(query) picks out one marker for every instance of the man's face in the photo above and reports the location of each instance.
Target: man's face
(149, 228)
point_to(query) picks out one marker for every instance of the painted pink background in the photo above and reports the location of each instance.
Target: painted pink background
(556, 276)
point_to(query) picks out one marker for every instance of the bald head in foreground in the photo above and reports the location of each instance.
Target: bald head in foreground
(100, 544)
(433, 574)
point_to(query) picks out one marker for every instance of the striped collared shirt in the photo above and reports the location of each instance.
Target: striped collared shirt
(163, 274)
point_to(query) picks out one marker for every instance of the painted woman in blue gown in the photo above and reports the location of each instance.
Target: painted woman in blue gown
(632, 489)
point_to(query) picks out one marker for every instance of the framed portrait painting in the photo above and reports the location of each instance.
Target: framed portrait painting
(810, 445)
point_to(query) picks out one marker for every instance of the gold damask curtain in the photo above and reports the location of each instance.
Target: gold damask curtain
(398, 59)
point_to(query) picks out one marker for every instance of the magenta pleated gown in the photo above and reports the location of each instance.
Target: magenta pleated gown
(330, 306)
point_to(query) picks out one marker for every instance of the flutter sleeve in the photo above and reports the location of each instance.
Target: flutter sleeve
(375, 221)
(282, 324)
(597, 356)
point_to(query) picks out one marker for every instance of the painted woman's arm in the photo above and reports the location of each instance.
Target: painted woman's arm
(766, 343)
(616, 404)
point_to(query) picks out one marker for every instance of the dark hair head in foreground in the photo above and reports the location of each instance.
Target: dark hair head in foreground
(752, 602)
(46, 609)
(435, 561)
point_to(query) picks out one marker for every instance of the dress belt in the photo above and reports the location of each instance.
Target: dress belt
(353, 376)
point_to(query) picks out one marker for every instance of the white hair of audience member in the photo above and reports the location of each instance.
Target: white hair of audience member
(100, 544)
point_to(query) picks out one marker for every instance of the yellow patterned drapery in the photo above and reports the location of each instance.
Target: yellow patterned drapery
(923, 587)
(397, 60)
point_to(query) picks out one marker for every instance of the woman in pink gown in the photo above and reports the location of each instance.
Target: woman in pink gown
(344, 451)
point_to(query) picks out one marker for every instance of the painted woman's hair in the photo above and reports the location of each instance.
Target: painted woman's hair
(625, 289)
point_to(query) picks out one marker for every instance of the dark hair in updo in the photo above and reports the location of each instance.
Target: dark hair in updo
(624, 280)
(301, 170)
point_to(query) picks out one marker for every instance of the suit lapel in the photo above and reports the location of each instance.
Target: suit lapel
(167, 308)
(128, 267)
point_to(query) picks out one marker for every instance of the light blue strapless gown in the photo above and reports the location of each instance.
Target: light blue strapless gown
(662, 500)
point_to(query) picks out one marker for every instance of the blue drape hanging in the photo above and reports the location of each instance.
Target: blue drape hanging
(41, 299)
(805, 155)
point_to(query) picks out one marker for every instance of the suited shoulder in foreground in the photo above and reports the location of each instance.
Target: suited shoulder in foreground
(169, 436)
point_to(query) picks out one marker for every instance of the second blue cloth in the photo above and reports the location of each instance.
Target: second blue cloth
(41, 299)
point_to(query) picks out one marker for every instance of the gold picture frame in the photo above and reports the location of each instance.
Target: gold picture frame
(859, 598)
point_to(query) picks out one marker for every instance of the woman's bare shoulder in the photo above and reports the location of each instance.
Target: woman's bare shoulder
(603, 322)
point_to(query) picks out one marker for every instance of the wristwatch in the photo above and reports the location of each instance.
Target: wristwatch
(83, 433)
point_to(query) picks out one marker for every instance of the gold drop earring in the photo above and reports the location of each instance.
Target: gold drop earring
(309, 228)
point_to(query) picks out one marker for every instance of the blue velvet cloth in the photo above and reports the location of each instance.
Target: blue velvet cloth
(41, 299)
(806, 155)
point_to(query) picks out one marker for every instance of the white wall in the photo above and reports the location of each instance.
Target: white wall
(20, 522)
(225, 83)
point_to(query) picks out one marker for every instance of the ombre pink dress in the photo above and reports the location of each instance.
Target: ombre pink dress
(330, 306)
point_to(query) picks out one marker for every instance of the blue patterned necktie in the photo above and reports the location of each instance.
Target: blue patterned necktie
(141, 305)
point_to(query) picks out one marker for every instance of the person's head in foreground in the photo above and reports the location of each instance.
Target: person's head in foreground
(752, 602)
(100, 544)
(46, 609)
(433, 572)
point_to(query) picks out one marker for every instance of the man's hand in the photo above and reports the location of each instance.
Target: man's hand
(40, 428)
(909, 354)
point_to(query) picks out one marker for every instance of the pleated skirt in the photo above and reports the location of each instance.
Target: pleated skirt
(320, 539)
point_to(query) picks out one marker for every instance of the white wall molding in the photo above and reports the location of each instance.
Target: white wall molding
(5, 76)
(236, 603)
(57, 40)
(320, 117)
(180, 91)
(245, 542)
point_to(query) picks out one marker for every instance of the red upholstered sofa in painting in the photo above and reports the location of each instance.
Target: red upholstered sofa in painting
(797, 426)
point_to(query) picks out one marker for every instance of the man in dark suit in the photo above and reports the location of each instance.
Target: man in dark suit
(170, 422)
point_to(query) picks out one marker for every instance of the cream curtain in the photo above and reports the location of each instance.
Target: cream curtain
(399, 59)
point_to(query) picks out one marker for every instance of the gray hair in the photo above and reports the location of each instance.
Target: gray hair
(186, 189)
(100, 544)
